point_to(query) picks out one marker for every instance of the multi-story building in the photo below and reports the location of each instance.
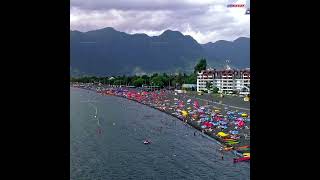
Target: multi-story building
(227, 80)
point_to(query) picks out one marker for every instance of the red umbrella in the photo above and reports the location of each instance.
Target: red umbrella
(208, 124)
(240, 123)
(196, 104)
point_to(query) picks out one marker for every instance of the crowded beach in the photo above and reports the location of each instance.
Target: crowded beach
(227, 124)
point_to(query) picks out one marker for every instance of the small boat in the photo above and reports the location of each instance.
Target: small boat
(146, 142)
(228, 148)
(235, 160)
(243, 151)
(237, 153)
(229, 139)
(242, 147)
(232, 142)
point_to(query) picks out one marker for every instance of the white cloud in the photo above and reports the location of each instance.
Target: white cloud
(205, 21)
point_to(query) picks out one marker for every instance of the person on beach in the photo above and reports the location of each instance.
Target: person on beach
(194, 133)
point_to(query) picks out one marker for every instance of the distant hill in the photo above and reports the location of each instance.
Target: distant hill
(106, 52)
(238, 51)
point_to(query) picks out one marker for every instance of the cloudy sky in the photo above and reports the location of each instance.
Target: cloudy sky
(205, 20)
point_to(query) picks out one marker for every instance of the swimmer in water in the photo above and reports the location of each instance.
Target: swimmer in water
(99, 131)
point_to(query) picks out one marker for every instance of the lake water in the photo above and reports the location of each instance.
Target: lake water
(107, 135)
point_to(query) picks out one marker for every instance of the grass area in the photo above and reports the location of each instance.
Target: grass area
(216, 95)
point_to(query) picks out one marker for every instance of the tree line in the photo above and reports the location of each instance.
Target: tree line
(156, 79)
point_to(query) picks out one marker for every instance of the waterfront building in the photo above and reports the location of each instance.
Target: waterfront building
(189, 86)
(226, 80)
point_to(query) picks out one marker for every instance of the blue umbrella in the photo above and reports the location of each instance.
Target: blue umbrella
(234, 132)
(223, 123)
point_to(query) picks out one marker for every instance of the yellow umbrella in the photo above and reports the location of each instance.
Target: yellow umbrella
(246, 154)
(244, 115)
(222, 134)
(184, 113)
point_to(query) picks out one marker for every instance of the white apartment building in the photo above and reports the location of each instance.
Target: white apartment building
(227, 80)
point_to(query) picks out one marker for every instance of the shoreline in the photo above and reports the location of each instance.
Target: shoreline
(212, 135)
(198, 128)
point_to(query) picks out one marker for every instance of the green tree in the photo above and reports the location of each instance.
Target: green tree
(191, 79)
(125, 79)
(164, 75)
(171, 81)
(179, 79)
(215, 90)
(138, 82)
(111, 81)
(202, 65)
(146, 79)
(129, 80)
(158, 81)
(154, 75)
(104, 80)
(118, 82)
(208, 85)
(165, 79)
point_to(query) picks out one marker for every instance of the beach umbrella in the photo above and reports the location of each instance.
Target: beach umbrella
(241, 124)
(239, 119)
(223, 123)
(244, 115)
(208, 124)
(234, 132)
(196, 104)
(184, 113)
(215, 123)
(246, 154)
(222, 134)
